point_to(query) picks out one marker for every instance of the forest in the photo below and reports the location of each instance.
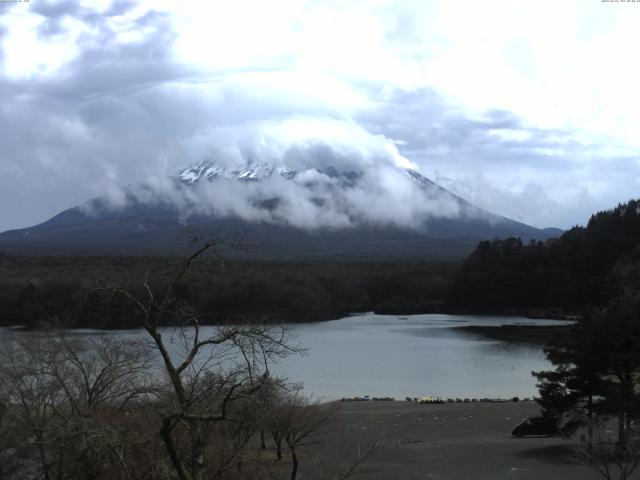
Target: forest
(570, 272)
(35, 289)
(502, 276)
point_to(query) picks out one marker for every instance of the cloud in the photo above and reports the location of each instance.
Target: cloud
(73, 134)
(94, 97)
(542, 176)
(336, 175)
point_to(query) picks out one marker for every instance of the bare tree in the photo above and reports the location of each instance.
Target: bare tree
(605, 454)
(32, 398)
(269, 406)
(9, 461)
(61, 395)
(294, 419)
(206, 372)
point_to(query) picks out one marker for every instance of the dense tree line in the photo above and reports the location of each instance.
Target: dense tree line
(569, 272)
(35, 289)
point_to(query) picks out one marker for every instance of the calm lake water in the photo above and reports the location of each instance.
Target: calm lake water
(415, 355)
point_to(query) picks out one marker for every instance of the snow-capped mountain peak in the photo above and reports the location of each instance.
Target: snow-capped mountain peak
(256, 171)
(251, 171)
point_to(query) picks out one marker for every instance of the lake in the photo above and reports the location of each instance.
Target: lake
(414, 355)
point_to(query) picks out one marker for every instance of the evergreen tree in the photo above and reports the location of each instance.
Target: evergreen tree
(597, 364)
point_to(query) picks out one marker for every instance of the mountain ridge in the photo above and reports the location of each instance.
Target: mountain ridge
(160, 226)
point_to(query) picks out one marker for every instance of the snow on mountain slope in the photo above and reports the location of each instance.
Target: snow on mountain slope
(252, 171)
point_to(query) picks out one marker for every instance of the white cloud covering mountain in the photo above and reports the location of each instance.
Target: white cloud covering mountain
(529, 110)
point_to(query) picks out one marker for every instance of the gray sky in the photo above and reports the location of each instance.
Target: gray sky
(529, 109)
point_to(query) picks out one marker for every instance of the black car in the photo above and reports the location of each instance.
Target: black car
(537, 426)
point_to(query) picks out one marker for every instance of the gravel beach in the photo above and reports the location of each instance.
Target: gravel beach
(447, 441)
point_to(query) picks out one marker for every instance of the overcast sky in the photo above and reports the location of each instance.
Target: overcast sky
(530, 109)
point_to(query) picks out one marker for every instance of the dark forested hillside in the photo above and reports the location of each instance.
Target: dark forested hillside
(500, 276)
(568, 272)
(38, 289)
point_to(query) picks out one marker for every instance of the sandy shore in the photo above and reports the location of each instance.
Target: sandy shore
(444, 441)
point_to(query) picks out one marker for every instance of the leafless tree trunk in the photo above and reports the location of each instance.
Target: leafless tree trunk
(238, 355)
(294, 419)
(60, 392)
(604, 454)
(277, 438)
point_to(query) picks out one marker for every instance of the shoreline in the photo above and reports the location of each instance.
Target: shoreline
(446, 441)
(504, 335)
(531, 334)
(429, 400)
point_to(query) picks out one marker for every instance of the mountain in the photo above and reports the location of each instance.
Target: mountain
(350, 216)
(252, 171)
